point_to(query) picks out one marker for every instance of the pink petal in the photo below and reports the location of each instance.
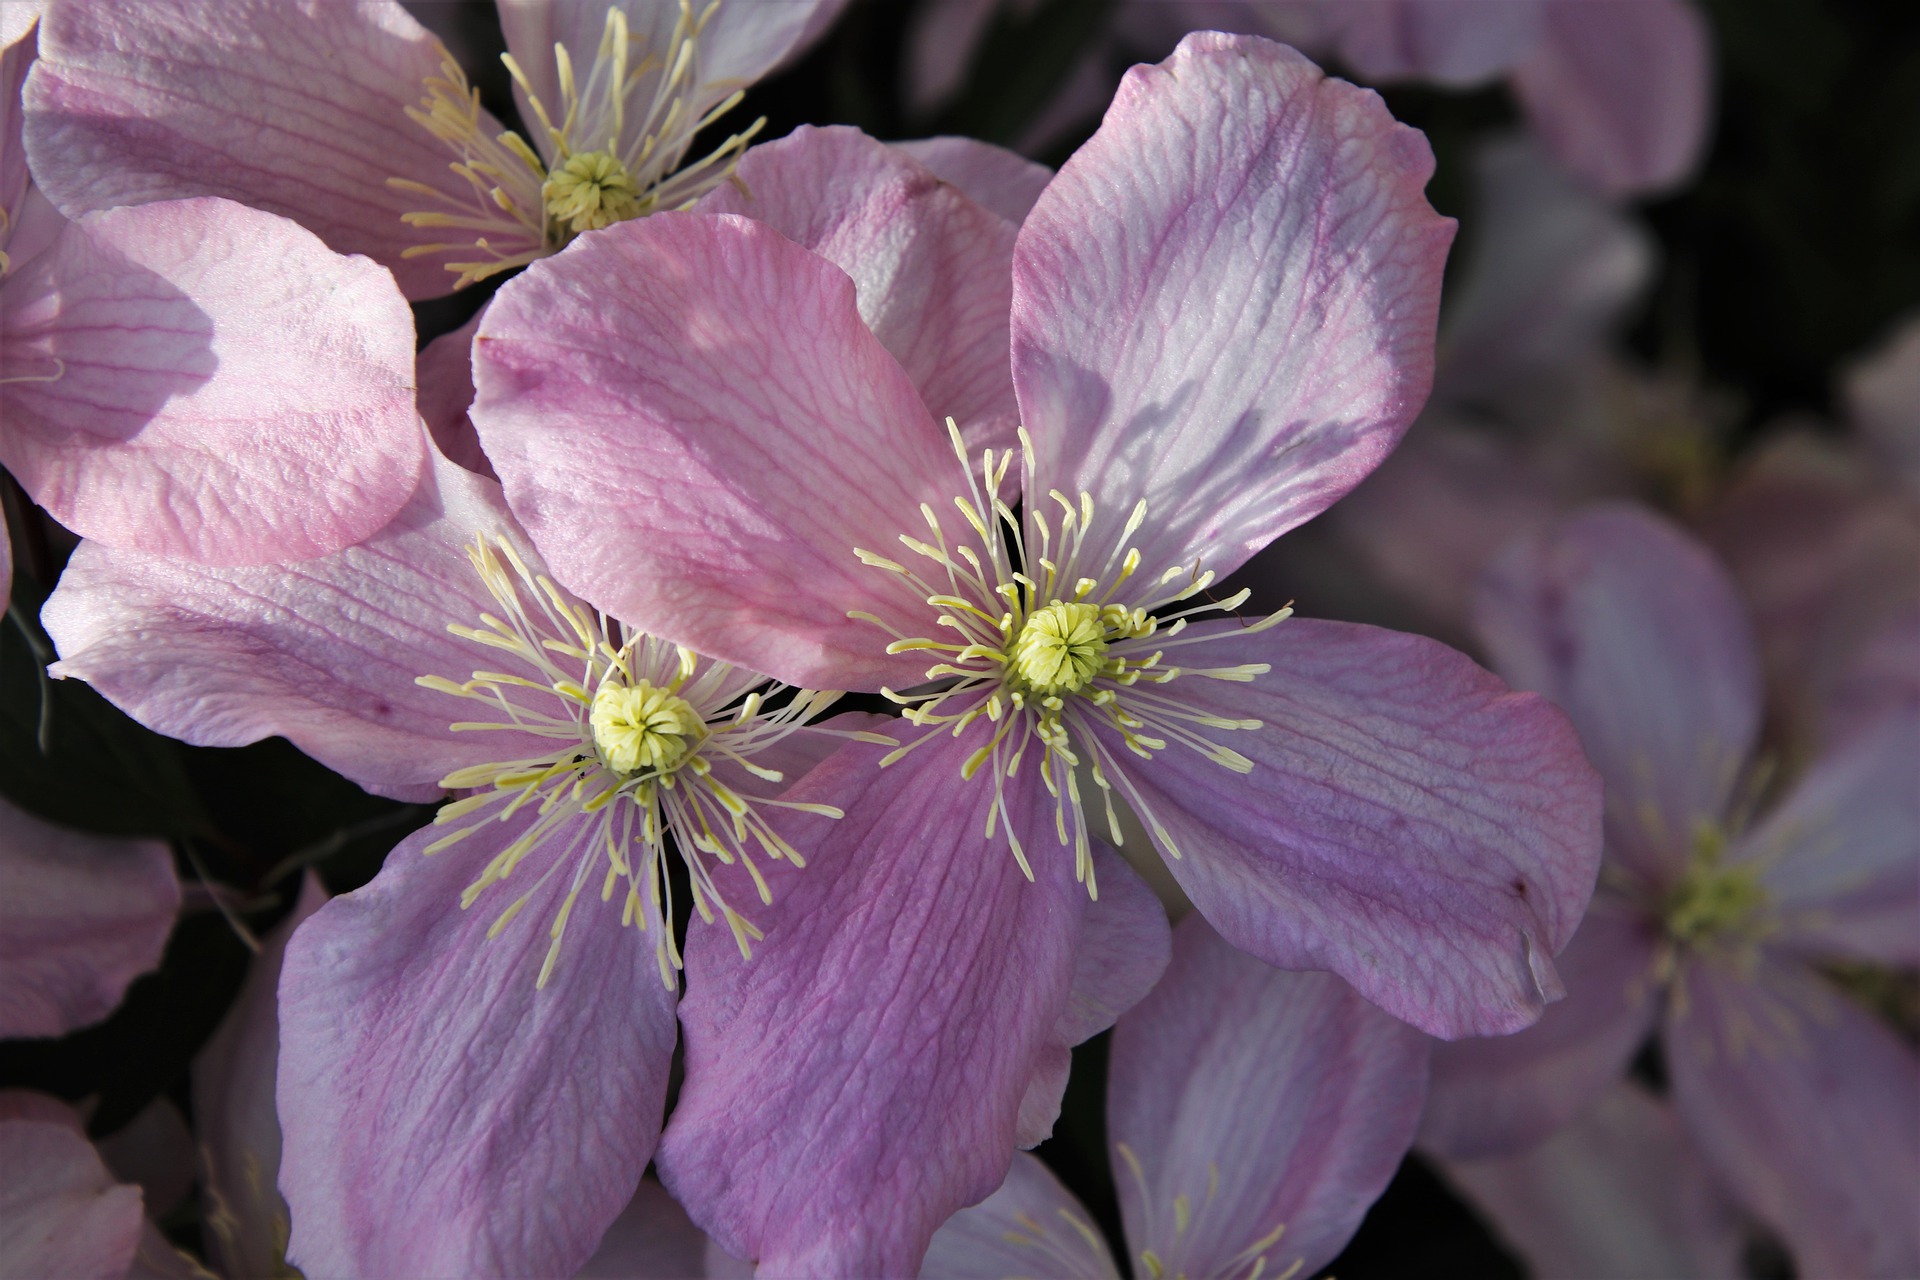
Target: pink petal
(1502, 1094)
(1620, 1193)
(1124, 948)
(1808, 1111)
(1631, 626)
(1224, 304)
(1840, 856)
(697, 429)
(1004, 181)
(1882, 393)
(1264, 1098)
(932, 269)
(1451, 42)
(233, 1107)
(1409, 822)
(442, 1116)
(652, 1239)
(17, 18)
(324, 653)
(296, 108)
(61, 1212)
(1031, 1226)
(208, 357)
(16, 58)
(154, 1151)
(445, 370)
(1620, 91)
(857, 1081)
(83, 916)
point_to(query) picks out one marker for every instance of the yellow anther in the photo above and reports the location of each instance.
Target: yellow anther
(639, 728)
(590, 191)
(1062, 647)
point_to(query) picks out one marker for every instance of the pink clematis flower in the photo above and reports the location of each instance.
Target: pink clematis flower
(1712, 916)
(355, 121)
(1255, 1115)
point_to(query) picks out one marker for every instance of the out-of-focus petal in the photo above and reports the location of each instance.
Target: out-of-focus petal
(1031, 1226)
(697, 429)
(1124, 948)
(298, 108)
(246, 1221)
(1621, 92)
(933, 270)
(1004, 181)
(1883, 398)
(1262, 1099)
(442, 1115)
(154, 1151)
(16, 58)
(1619, 1193)
(1450, 42)
(1224, 304)
(203, 380)
(1632, 627)
(652, 1239)
(445, 370)
(1840, 856)
(84, 915)
(857, 1081)
(1806, 1109)
(1409, 822)
(61, 1212)
(17, 18)
(1501, 1094)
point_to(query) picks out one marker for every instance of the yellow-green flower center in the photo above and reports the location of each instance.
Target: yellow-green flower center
(1062, 647)
(641, 729)
(1714, 902)
(590, 191)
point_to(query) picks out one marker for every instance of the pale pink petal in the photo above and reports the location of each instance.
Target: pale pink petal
(443, 1116)
(1883, 398)
(245, 1226)
(857, 1081)
(297, 108)
(16, 58)
(203, 380)
(1451, 42)
(1635, 630)
(61, 1212)
(17, 18)
(83, 916)
(325, 653)
(1840, 856)
(1264, 1099)
(1409, 822)
(933, 270)
(1224, 304)
(1031, 1226)
(1806, 1108)
(1004, 181)
(1498, 1095)
(1620, 91)
(652, 1239)
(697, 429)
(445, 370)
(154, 1151)
(1124, 948)
(1619, 1193)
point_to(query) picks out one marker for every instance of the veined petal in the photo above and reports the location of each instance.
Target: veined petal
(697, 429)
(81, 916)
(1243, 1100)
(1224, 304)
(324, 652)
(1409, 822)
(857, 1081)
(1808, 1111)
(1031, 1226)
(61, 1212)
(1621, 92)
(933, 271)
(442, 1115)
(1633, 628)
(1499, 1095)
(1004, 181)
(1450, 42)
(203, 380)
(298, 108)
(1618, 1193)
(17, 47)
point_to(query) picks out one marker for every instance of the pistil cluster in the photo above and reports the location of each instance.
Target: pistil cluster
(1045, 650)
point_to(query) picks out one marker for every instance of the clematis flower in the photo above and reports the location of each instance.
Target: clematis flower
(1713, 914)
(1255, 1115)
(354, 120)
